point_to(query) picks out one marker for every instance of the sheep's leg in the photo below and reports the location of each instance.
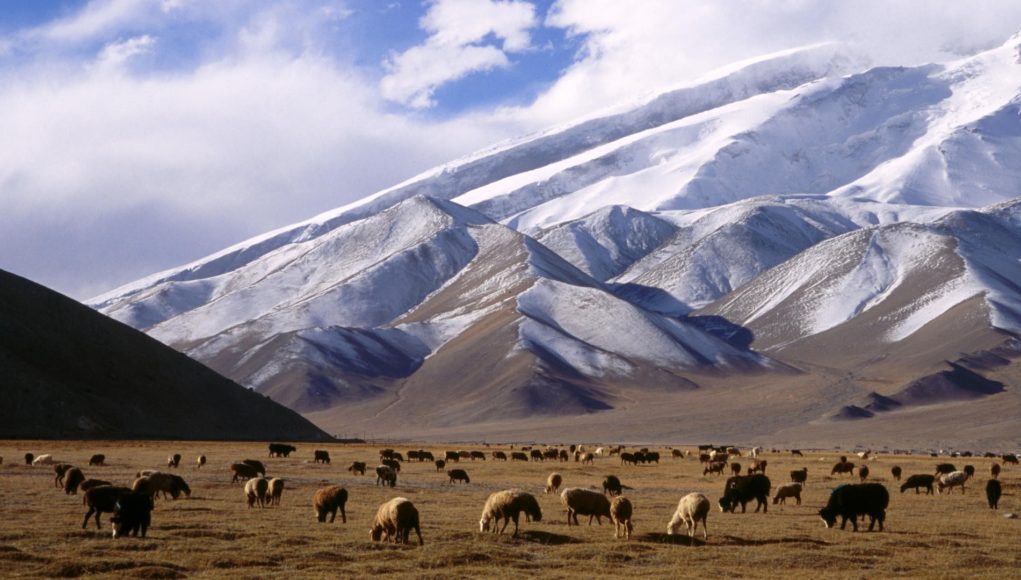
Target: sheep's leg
(705, 530)
(506, 520)
(516, 516)
(343, 515)
(85, 522)
(333, 516)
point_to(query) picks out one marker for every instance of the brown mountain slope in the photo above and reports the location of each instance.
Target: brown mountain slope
(67, 371)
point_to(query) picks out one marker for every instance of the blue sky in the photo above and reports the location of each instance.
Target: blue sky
(143, 134)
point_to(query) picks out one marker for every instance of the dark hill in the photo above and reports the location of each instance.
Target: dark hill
(67, 371)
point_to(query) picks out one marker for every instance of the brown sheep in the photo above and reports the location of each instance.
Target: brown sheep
(499, 455)
(620, 513)
(394, 521)
(758, 465)
(72, 479)
(863, 473)
(242, 471)
(458, 475)
(895, 471)
(995, 470)
(327, 500)
(553, 483)
(716, 468)
(174, 460)
(787, 490)
(585, 502)
(735, 468)
(101, 499)
(843, 467)
(166, 483)
(440, 464)
(59, 471)
(799, 475)
(91, 483)
(357, 467)
(612, 485)
(508, 505)
(97, 459)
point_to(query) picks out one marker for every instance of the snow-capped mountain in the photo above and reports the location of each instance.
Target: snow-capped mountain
(799, 215)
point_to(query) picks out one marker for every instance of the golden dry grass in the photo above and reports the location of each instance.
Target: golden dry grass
(214, 534)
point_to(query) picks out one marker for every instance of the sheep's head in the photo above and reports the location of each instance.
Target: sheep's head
(376, 533)
(484, 524)
(829, 517)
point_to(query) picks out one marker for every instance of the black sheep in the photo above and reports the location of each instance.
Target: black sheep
(849, 501)
(743, 489)
(993, 493)
(919, 480)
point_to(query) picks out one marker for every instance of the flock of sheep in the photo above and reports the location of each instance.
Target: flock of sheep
(397, 518)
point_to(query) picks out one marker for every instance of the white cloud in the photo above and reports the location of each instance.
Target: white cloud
(458, 45)
(116, 54)
(631, 49)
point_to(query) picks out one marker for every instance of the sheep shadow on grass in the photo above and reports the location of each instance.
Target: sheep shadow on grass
(675, 539)
(546, 538)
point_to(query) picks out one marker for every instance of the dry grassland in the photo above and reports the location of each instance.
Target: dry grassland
(214, 533)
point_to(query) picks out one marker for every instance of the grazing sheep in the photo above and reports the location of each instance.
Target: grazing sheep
(101, 499)
(742, 489)
(72, 479)
(425, 455)
(458, 475)
(321, 456)
(91, 483)
(759, 466)
(1009, 458)
(677, 454)
(564, 457)
(919, 480)
(276, 490)
(799, 475)
(787, 490)
(499, 455)
(440, 464)
(692, 509)
(327, 500)
(519, 456)
(895, 471)
(508, 505)
(852, 500)
(703, 458)
(392, 464)
(59, 471)
(385, 476)
(863, 473)
(453, 456)
(588, 458)
(169, 483)
(200, 461)
(993, 493)
(537, 455)
(464, 454)
(357, 467)
(843, 467)
(242, 471)
(394, 520)
(995, 470)
(735, 468)
(97, 459)
(174, 460)
(29, 458)
(945, 468)
(255, 463)
(255, 491)
(970, 470)
(585, 502)
(615, 450)
(611, 485)
(132, 513)
(797, 452)
(553, 483)
(620, 513)
(44, 459)
(478, 455)
(716, 467)
(628, 458)
(948, 481)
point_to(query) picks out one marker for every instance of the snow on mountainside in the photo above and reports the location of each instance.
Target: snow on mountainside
(794, 205)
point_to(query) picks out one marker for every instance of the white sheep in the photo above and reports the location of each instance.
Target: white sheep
(691, 509)
(949, 481)
(276, 490)
(394, 520)
(45, 459)
(553, 482)
(255, 491)
(621, 511)
(787, 490)
(585, 502)
(508, 505)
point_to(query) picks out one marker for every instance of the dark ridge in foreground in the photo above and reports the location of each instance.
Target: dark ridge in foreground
(68, 372)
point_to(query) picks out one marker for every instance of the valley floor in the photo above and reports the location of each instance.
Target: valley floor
(214, 533)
